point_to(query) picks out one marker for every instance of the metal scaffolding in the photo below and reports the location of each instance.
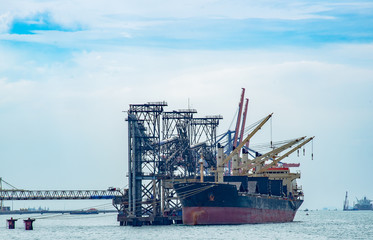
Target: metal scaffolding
(163, 147)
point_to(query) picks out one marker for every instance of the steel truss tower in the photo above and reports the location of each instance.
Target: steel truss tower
(163, 147)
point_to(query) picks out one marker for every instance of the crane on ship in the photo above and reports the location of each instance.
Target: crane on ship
(260, 160)
(230, 143)
(237, 150)
(234, 155)
(237, 135)
(276, 161)
(258, 165)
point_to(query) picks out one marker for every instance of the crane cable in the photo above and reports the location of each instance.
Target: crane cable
(2, 180)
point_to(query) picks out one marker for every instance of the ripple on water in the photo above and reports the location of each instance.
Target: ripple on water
(316, 225)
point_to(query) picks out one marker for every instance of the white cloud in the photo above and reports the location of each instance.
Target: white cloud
(18, 91)
(74, 106)
(197, 74)
(103, 23)
(65, 112)
(67, 39)
(5, 21)
(134, 14)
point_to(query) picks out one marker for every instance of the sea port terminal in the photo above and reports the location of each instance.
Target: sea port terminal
(170, 147)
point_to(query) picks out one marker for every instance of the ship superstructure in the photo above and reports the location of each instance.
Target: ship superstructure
(363, 204)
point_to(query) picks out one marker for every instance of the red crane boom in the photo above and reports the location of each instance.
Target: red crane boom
(238, 118)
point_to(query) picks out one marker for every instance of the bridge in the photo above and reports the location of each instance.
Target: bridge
(16, 194)
(21, 194)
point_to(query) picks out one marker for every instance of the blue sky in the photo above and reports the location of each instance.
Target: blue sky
(69, 69)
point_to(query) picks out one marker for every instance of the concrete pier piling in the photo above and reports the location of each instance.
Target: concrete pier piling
(11, 223)
(28, 223)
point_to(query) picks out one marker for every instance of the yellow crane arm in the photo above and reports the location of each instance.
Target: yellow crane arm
(236, 150)
(285, 155)
(261, 159)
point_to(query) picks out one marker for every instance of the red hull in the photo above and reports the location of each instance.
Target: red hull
(234, 215)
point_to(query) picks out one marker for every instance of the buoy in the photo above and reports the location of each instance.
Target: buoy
(28, 223)
(11, 223)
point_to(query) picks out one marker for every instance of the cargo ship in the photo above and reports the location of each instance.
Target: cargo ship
(363, 204)
(239, 200)
(258, 190)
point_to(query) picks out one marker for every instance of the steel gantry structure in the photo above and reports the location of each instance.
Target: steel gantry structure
(163, 147)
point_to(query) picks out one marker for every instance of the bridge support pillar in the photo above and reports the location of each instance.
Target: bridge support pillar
(11, 223)
(28, 223)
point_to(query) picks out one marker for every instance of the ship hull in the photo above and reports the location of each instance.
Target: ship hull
(234, 215)
(211, 203)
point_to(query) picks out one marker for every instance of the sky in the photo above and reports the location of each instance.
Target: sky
(68, 70)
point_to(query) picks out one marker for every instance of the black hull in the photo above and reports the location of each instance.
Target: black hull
(212, 203)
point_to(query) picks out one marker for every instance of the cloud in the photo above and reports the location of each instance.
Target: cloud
(18, 91)
(192, 24)
(62, 93)
(38, 22)
(5, 21)
(199, 73)
(67, 115)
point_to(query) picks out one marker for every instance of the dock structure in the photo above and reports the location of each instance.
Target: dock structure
(163, 147)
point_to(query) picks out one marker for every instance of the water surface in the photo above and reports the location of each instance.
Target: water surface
(316, 225)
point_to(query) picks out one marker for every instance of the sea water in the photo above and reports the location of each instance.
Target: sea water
(307, 225)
